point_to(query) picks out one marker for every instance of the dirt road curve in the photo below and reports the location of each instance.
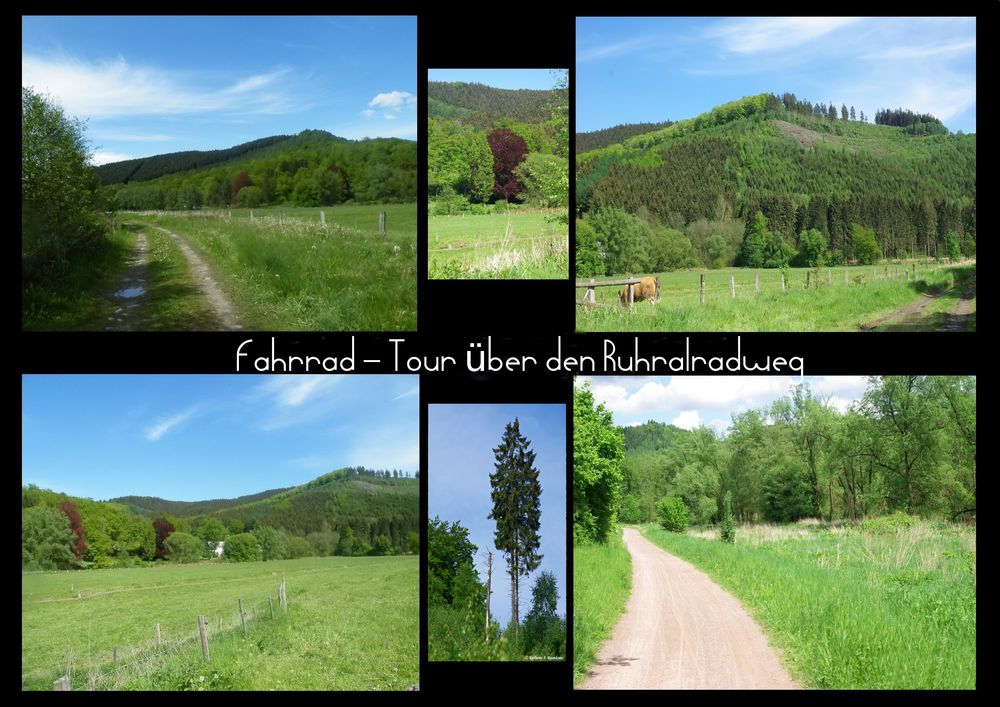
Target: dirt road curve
(217, 299)
(681, 630)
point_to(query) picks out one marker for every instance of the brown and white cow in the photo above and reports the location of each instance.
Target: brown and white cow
(647, 289)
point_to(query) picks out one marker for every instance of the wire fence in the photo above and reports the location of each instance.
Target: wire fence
(114, 669)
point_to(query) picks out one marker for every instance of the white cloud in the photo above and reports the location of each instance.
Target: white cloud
(116, 88)
(415, 390)
(687, 420)
(769, 34)
(605, 51)
(107, 156)
(166, 424)
(368, 112)
(393, 100)
(906, 53)
(296, 391)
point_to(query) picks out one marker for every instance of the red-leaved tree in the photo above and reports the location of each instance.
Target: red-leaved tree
(76, 526)
(508, 150)
(242, 180)
(162, 527)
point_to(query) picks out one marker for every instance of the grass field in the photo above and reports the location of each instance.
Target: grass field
(466, 246)
(853, 608)
(832, 306)
(77, 298)
(602, 581)
(285, 271)
(352, 624)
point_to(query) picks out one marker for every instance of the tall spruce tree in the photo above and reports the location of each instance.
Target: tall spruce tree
(516, 508)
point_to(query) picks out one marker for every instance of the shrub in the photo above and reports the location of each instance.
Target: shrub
(728, 534)
(674, 514)
(242, 547)
(183, 547)
(888, 524)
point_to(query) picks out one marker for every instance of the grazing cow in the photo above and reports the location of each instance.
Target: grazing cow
(647, 289)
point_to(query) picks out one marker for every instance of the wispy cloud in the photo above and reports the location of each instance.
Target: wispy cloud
(771, 34)
(296, 391)
(107, 156)
(116, 88)
(923, 51)
(621, 48)
(293, 400)
(165, 424)
(409, 393)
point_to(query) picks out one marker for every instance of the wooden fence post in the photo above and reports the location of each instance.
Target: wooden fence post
(756, 283)
(322, 217)
(382, 229)
(251, 215)
(243, 619)
(203, 635)
(630, 297)
(782, 282)
(62, 684)
(703, 288)
(732, 286)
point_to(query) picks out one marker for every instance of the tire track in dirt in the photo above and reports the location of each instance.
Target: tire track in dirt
(217, 300)
(680, 630)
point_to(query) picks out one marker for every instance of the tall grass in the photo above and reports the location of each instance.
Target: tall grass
(832, 306)
(602, 580)
(77, 297)
(287, 273)
(352, 623)
(520, 245)
(853, 608)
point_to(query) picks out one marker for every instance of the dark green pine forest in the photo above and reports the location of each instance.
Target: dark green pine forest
(351, 511)
(741, 184)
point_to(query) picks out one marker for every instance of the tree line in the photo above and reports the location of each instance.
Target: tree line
(802, 172)
(500, 156)
(595, 139)
(313, 168)
(908, 445)
(350, 512)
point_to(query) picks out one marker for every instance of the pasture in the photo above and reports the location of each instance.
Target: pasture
(869, 294)
(285, 271)
(532, 245)
(352, 624)
(884, 605)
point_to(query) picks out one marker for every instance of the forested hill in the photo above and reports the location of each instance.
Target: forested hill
(143, 168)
(152, 505)
(351, 511)
(313, 168)
(585, 142)
(481, 106)
(804, 166)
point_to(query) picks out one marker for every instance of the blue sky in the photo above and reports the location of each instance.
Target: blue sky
(148, 85)
(539, 79)
(691, 401)
(460, 460)
(211, 436)
(652, 69)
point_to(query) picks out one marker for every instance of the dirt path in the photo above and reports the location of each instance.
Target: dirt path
(221, 306)
(681, 630)
(130, 294)
(913, 316)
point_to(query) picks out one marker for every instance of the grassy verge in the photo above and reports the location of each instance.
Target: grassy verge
(77, 298)
(528, 246)
(833, 306)
(849, 608)
(285, 273)
(173, 300)
(602, 580)
(352, 624)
